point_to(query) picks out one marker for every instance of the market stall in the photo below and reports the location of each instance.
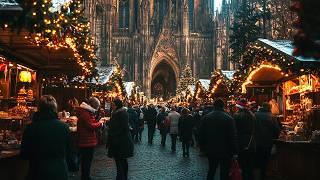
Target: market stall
(109, 84)
(219, 85)
(18, 90)
(269, 73)
(200, 92)
(34, 48)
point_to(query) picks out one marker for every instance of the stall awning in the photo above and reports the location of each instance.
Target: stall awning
(17, 48)
(286, 47)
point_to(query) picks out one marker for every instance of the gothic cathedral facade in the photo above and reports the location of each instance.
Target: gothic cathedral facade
(155, 39)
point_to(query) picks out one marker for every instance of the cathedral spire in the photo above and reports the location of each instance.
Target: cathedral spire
(185, 15)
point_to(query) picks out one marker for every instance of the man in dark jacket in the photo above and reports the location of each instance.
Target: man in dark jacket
(151, 118)
(196, 127)
(164, 129)
(247, 137)
(218, 140)
(140, 123)
(133, 121)
(86, 131)
(46, 143)
(119, 144)
(268, 130)
(185, 130)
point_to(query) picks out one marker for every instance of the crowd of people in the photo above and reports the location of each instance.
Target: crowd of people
(223, 137)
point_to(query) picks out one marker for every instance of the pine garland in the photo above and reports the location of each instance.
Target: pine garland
(67, 28)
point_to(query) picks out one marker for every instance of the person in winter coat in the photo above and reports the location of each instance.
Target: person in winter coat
(86, 132)
(46, 143)
(119, 144)
(218, 140)
(133, 121)
(247, 137)
(162, 125)
(140, 123)
(196, 127)
(173, 118)
(151, 118)
(267, 131)
(185, 130)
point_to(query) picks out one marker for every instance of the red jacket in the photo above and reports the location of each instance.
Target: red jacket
(86, 126)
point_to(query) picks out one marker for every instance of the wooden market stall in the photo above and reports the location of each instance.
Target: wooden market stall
(291, 85)
(30, 53)
(219, 85)
(133, 95)
(109, 84)
(200, 92)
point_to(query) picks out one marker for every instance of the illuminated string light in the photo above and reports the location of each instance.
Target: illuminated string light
(248, 81)
(75, 28)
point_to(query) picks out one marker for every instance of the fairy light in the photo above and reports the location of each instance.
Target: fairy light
(213, 90)
(251, 75)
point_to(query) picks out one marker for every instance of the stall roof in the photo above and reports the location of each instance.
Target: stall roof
(205, 83)
(129, 87)
(192, 88)
(104, 73)
(228, 74)
(286, 47)
(9, 5)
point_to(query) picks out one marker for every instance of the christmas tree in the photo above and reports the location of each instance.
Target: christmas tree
(245, 30)
(185, 80)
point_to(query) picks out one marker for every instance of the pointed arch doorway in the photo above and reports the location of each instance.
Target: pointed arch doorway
(163, 80)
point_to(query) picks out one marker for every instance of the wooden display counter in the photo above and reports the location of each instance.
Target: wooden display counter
(297, 160)
(12, 167)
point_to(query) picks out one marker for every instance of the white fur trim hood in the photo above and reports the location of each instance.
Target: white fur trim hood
(87, 107)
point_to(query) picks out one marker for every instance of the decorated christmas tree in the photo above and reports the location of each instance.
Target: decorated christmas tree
(185, 80)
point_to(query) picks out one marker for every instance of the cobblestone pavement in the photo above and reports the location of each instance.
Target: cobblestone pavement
(152, 162)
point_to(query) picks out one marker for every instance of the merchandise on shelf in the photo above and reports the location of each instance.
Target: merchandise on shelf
(30, 94)
(22, 94)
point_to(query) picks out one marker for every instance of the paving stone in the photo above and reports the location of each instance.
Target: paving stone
(152, 162)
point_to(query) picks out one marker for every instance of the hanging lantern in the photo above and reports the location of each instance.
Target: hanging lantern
(25, 76)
